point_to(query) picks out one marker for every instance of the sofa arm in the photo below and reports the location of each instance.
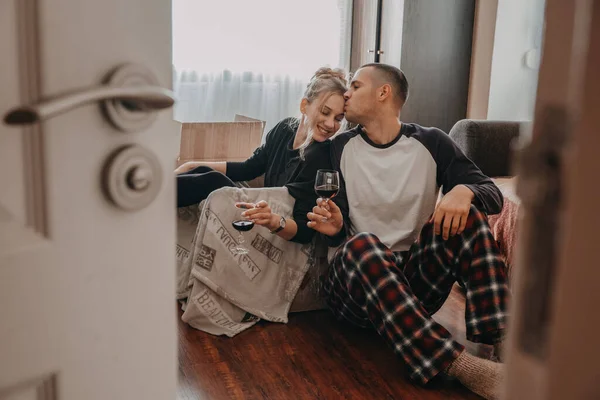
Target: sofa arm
(487, 143)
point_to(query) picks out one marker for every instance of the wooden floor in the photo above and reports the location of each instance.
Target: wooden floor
(312, 357)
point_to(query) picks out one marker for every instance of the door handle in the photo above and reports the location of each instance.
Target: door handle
(143, 98)
(128, 89)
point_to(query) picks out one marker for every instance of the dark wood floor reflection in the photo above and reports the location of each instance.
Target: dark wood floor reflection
(312, 357)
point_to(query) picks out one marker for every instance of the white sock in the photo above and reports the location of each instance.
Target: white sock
(480, 376)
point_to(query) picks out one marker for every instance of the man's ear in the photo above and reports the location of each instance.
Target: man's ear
(384, 92)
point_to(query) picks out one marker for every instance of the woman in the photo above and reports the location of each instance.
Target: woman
(293, 152)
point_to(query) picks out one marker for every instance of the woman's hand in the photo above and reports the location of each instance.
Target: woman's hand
(326, 218)
(260, 213)
(185, 167)
(219, 166)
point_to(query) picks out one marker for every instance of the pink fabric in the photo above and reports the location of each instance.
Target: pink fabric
(504, 225)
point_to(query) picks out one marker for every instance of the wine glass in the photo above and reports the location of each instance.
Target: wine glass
(241, 225)
(327, 184)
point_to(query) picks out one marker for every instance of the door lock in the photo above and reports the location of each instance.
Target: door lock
(139, 178)
(132, 177)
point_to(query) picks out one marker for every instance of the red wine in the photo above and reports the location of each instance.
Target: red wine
(242, 225)
(327, 191)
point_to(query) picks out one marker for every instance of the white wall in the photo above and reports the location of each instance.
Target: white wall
(513, 85)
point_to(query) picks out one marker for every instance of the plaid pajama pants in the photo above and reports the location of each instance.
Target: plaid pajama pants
(396, 293)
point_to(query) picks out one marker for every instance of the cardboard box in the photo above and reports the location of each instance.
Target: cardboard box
(220, 141)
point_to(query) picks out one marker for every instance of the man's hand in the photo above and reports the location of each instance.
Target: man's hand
(450, 215)
(326, 218)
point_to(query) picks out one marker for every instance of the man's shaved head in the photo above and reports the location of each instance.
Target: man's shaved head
(388, 74)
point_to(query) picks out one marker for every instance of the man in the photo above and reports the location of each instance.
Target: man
(398, 274)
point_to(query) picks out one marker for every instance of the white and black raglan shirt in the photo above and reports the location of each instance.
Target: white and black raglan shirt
(391, 190)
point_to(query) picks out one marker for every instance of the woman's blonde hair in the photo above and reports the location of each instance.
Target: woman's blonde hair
(325, 80)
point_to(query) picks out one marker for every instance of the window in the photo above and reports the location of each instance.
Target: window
(253, 57)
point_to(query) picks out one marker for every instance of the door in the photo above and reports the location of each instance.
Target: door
(364, 31)
(553, 340)
(392, 23)
(436, 58)
(87, 221)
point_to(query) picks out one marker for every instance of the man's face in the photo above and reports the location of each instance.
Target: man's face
(361, 97)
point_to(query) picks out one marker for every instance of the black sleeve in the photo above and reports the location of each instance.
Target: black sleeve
(252, 168)
(341, 200)
(455, 168)
(302, 187)
(256, 165)
(304, 233)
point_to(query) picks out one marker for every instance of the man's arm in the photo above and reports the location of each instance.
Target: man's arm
(462, 184)
(454, 168)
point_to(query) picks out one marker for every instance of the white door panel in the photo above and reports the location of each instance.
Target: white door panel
(86, 288)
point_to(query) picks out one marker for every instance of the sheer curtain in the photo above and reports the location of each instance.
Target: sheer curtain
(253, 57)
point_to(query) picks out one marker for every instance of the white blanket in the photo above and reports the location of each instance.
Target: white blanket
(225, 293)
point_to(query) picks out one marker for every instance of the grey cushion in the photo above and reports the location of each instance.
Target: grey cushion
(487, 143)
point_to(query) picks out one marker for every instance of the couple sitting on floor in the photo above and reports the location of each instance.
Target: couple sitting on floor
(399, 250)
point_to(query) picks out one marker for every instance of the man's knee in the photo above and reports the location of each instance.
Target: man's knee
(476, 217)
(361, 242)
(476, 212)
(365, 252)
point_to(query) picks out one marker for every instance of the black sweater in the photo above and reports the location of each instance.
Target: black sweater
(391, 189)
(282, 166)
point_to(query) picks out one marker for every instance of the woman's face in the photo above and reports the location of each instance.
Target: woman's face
(324, 117)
